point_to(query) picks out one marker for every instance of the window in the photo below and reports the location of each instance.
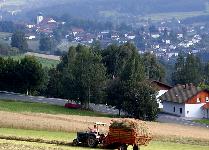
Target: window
(198, 100)
(174, 109)
(207, 99)
(180, 110)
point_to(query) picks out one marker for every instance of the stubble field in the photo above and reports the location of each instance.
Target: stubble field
(74, 123)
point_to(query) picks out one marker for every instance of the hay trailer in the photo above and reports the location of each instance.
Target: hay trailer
(120, 139)
(121, 134)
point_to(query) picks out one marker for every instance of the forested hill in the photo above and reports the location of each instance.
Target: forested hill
(93, 8)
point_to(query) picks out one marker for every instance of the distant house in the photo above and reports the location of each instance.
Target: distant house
(186, 101)
(130, 36)
(77, 31)
(161, 88)
(30, 37)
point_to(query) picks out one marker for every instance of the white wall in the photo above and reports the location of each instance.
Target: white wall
(168, 107)
(160, 93)
(194, 110)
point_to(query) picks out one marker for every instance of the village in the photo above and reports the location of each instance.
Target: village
(165, 39)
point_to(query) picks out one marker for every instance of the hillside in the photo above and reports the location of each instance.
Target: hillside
(104, 9)
(112, 8)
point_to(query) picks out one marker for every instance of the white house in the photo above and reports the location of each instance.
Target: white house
(186, 101)
(161, 88)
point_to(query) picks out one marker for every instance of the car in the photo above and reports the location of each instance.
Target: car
(72, 105)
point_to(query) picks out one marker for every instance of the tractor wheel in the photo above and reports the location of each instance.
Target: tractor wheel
(92, 142)
(136, 147)
(123, 147)
(75, 142)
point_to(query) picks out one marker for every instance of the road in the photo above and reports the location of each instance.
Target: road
(166, 118)
(163, 118)
(40, 99)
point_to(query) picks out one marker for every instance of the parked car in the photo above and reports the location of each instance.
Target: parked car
(72, 105)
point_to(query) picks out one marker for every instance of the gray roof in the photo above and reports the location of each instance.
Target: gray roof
(180, 93)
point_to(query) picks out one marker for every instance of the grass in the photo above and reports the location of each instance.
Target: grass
(47, 135)
(203, 121)
(45, 62)
(178, 15)
(17, 106)
(68, 137)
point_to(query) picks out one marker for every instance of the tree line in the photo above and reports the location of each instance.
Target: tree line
(26, 75)
(117, 75)
(190, 69)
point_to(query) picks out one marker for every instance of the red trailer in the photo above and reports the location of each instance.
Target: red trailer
(121, 139)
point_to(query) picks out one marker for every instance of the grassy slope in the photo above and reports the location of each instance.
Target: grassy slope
(67, 137)
(203, 121)
(45, 62)
(17, 106)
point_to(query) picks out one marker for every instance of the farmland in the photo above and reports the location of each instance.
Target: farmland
(66, 137)
(49, 63)
(47, 125)
(29, 107)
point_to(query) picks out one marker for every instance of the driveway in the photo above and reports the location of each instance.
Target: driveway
(166, 118)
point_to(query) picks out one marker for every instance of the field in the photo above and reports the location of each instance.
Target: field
(29, 107)
(178, 15)
(45, 62)
(41, 126)
(66, 137)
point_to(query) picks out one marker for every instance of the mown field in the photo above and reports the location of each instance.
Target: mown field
(49, 63)
(66, 138)
(45, 126)
(29, 107)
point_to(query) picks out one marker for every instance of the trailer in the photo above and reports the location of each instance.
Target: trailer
(121, 134)
(120, 139)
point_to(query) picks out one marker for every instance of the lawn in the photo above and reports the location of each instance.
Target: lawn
(203, 121)
(68, 137)
(17, 106)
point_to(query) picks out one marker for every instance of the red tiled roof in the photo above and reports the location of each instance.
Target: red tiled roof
(206, 106)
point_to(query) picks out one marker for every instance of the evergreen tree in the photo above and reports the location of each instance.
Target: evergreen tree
(46, 44)
(178, 76)
(153, 69)
(19, 41)
(187, 71)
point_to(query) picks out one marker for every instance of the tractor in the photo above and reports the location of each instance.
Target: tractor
(118, 137)
(90, 138)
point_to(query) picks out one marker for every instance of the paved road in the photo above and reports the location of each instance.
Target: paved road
(55, 101)
(165, 118)
(40, 99)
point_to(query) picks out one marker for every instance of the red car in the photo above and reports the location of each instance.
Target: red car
(71, 105)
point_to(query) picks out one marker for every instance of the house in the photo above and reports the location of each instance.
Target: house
(186, 101)
(77, 31)
(161, 88)
(30, 36)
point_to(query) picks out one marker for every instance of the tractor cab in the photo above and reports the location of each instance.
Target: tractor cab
(90, 138)
(95, 129)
